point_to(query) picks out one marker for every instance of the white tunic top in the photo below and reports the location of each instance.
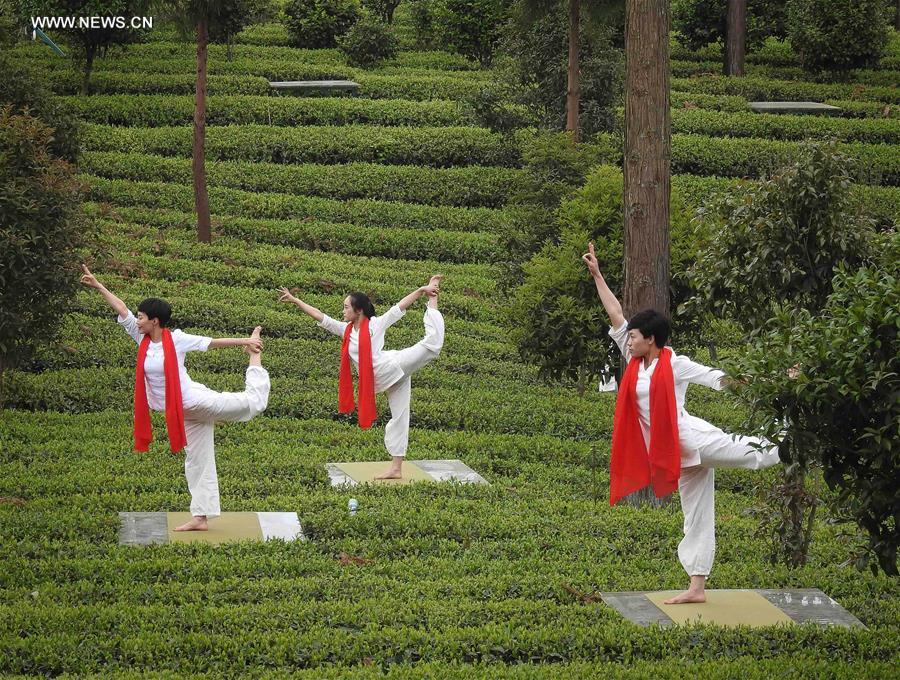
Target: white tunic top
(154, 374)
(387, 370)
(684, 372)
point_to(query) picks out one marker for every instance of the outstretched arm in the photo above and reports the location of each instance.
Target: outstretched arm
(255, 344)
(610, 302)
(91, 281)
(286, 296)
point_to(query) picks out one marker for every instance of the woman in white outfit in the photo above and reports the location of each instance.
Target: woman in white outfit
(391, 369)
(703, 446)
(192, 428)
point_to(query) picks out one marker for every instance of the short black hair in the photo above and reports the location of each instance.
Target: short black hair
(650, 322)
(361, 303)
(155, 308)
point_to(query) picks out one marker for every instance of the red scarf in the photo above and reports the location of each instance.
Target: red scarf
(632, 467)
(143, 431)
(346, 404)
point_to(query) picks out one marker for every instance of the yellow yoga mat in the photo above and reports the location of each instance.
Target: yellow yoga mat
(230, 526)
(365, 472)
(724, 608)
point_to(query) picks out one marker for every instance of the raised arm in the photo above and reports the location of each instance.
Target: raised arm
(91, 281)
(286, 296)
(610, 302)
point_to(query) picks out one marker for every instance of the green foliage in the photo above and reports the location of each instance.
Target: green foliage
(173, 110)
(558, 321)
(472, 186)
(781, 240)
(835, 35)
(88, 43)
(24, 89)
(784, 127)
(470, 27)
(843, 407)
(701, 22)
(534, 71)
(40, 236)
(369, 42)
(319, 23)
(437, 147)
(766, 89)
(382, 9)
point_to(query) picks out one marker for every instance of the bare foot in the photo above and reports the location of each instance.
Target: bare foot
(436, 280)
(688, 596)
(198, 523)
(392, 472)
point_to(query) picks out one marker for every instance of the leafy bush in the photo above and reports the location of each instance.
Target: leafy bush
(470, 27)
(558, 321)
(836, 35)
(369, 42)
(319, 23)
(534, 71)
(780, 241)
(701, 22)
(843, 405)
(41, 233)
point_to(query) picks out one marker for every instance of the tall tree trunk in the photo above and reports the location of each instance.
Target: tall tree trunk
(573, 94)
(90, 52)
(647, 156)
(2, 393)
(201, 198)
(646, 166)
(897, 17)
(735, 38)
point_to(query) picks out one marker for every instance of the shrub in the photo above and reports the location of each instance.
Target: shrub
(701, 22)
(319, 23)
(470, 27)
(842, 407)
(41, 233)
(368, 42)
(836, 35)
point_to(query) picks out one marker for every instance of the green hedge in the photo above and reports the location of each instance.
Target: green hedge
(764, 89)
(436, 147)
(167, 110)
(691, 68)
(416, 88)
(265, 226)
(752, 157)
(882, 202)
(849, 108)
(784, 127)
(473, 186)
(363, 212)
(168, 51)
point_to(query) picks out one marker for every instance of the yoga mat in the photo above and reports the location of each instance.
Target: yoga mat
(365, 472)
(723, 607)
(230, 526)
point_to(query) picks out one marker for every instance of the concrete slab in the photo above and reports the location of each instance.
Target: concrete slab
(802, 605)
(148, 528)
(797, 108)
(446, 470)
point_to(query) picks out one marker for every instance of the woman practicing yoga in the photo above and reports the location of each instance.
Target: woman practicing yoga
(657, 442)
(191, 409)
(381, 370)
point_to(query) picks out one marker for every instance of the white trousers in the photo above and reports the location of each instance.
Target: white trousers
(696, 487)
(199, 424)
(411, 359)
